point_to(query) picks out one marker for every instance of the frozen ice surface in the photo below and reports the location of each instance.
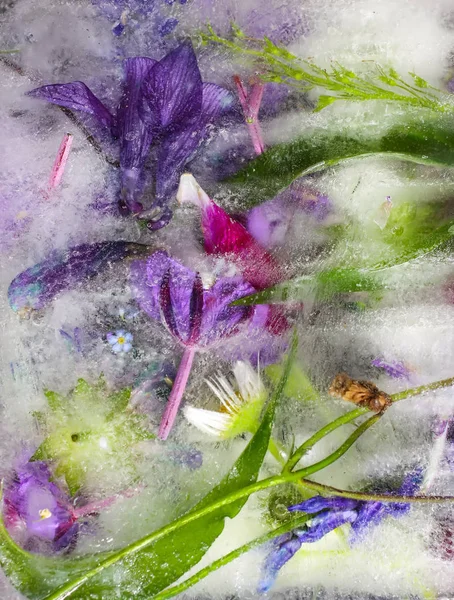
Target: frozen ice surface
(413, 324)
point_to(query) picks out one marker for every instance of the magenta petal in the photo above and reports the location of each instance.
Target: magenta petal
(76, 96)
(173, 90)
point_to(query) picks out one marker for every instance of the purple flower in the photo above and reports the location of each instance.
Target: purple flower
(329, 514)
(270, 222)
(35, 287)
(395, 369)
(283, 549)
(198, 318)
(164, 104)
(38, 509)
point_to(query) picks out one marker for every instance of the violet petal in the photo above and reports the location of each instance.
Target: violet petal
(326, 522)
(173, 91)
(76, 96)
(195, 310)
(178, 147)
(165, 302)
(277, 558)
(37, 286)
(135, 137)
(319, 503)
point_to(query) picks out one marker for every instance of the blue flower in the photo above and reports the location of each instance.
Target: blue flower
(329, 514)
(165, 105)
(120, 341)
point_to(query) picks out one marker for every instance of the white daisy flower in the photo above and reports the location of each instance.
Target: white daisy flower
(240, 404)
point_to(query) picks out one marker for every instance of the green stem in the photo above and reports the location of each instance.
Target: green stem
(66, 590)
(328, 490)
(220, 562)
(277, 451)
(354, 414)
(324, 431)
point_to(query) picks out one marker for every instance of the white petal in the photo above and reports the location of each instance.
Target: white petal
(208, 421)
(190, 192)
(249, 381)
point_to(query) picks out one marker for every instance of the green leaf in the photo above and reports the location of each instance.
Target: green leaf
(54, 400)
(324, 101)
(36, 576)
(148, 565)
(298, 384)
(427, 142)
(321, 286)
(419, 81)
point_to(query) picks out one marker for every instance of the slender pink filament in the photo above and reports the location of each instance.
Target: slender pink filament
(176, 395)
(100, 505)
(251, 106)
(60, 161)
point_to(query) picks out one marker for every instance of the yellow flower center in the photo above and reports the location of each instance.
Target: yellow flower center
(44, 514)
(121, 340)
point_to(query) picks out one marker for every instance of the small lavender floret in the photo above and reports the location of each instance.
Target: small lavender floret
(38, 510)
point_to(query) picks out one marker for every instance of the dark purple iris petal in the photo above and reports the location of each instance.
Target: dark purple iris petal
(178, 147)
(196, 310)
(38, 285)
(76, 96)
(165, 301)
(173, 91)
(135, 137)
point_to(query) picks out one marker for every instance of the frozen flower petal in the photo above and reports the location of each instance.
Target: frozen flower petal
(319, 503)
(216, 101)
(395, 369)
(32, 499)
(284, 550)
(38, 285)
(219, 319)
(135, 137)
(76, 96)
(326, 522)
(226, 236)
(173, 91)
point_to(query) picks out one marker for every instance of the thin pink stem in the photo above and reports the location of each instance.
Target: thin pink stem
(98, 506)
(60, 161)
(176, 395)
(251, 106)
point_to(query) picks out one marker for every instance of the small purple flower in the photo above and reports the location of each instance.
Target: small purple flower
(270, 222)
(394, 369)
(198, 318)
(120, 341)
(164, 104)
(329, 514)
(38, 509)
